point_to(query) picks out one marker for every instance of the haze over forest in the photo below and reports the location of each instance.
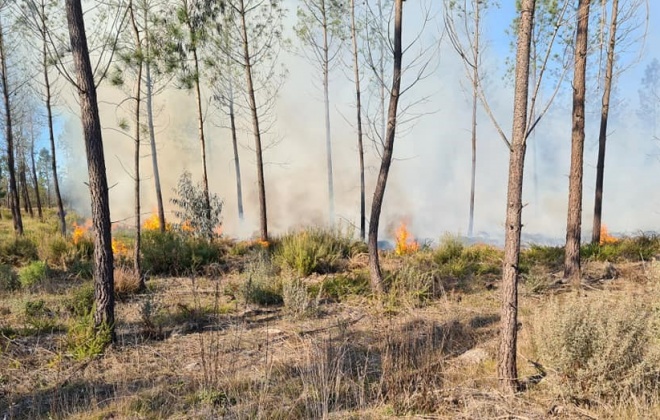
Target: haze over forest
(429, 185)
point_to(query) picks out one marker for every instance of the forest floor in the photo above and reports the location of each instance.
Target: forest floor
(213, 345)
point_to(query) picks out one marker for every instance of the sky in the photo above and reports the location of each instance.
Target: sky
(429, 181)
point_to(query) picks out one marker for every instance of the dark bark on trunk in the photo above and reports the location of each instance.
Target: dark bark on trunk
(35, 180)
(22, 178)
(386, 161)
(507, 369)
(98, 184)
(604, 116)
(358, 105)
(9, 135)
(137, 266)
(574, 219)
(51, 134)
(255, 127)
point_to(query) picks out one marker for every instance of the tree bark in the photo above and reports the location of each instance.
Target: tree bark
(98, 185)
(255, 127)
(22, 178)
(358, 111)
(237, 162)
(51, 134)
(574, 219)
(604, 116)
(35, 179)
(137, 266)
(386, 160)
(150, 123)
(9, 135)
(325, 65)
(202, 139)
(475, 98)
(507, 370)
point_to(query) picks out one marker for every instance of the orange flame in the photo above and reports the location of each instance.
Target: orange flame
(404, 245)
(153, 223)
(187, 227)
(119, 248)
(605, 237)
(79, 232)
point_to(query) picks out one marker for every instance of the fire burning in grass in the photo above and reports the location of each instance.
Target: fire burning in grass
(605, 237)
(153, 223)
(80, 231)
(120, 248)
(404, 243)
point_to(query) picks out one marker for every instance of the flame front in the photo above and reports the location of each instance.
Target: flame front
(605, 237)
(80, 231)
(153, 223)
(119, 248)
(404, 245)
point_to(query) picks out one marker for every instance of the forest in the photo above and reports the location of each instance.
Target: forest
(329, 209)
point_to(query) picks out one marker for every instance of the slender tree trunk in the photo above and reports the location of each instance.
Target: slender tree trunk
(574, 219)
(9, 135)
(98, 185)
(202, 140)
(51, 134)
(381, 69)
(255, 127)
(40, 212)
(475, 93)
(604, 116)
(237, 162)
(150, 124)
(358, 111)
(137, 266)
(386, 160)
(507, 370)
(22, 177)
(325, 65)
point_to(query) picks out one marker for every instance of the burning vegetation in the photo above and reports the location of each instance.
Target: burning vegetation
(605, 237)
(405, 244)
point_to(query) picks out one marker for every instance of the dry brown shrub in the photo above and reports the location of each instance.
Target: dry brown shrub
(127, 282)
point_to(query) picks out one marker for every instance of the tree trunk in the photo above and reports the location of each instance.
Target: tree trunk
(358, 105)
(51, 134)
(475, 93)
(202, 140)
(237, 162)
(604, 116)
(22, 178)
(40, 212)
(574, 219)
(9, 135)
(137, 267)
(255, 127)
(326, 103)
(98, 184)
(386, 160)
(507, 370)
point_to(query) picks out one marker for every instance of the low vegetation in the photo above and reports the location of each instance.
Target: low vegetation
(290, 329)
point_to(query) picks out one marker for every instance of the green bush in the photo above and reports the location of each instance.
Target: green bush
(600, 349)
(16, 251)
(340, 286)
(170, 253)
(414, 285)
(456, 260)
(297, 300)
(8, 279)
(81, 302)
(313, 250)
(39, 318)
(84, 341)
(551, 257)
(638, 248)
(33, 274)
(58, 249)
(261, 286)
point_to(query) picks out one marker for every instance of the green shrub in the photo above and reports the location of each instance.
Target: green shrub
(353, 283)
(170, 253)
(16, 251)
(85, 248)
(261, 286)
(33, 274)
(81, 302)
(456, 260)
(297, 300)
(551, 257)
(39, 318)
(86, 342)
(413, 285)
(8, 279)
(313, 250)
(600, 349)
(58, 250)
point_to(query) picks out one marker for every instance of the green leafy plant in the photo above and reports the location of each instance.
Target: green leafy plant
(198, 219)
(86, 342)
(33, 274)
(8, 279)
